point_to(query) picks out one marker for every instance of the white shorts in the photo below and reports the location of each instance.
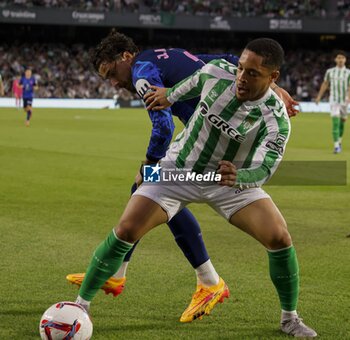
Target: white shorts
(223, 199)
(339, 110)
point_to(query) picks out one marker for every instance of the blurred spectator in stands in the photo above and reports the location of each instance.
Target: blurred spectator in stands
(63, 72)
(232, 8)
(2, 87)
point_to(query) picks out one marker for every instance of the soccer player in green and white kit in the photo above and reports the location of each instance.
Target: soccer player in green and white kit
(337, 79)
(239, 130)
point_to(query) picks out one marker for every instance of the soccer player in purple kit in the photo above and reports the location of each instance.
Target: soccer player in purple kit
(118, 59)
(28, 85)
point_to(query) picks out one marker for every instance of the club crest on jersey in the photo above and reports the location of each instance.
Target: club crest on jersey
(213, 94)
(248, 123)
(220, 123)
(142, 87)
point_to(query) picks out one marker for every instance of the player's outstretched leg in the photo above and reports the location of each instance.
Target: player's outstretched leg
(284, 273)
(115, 284)
(262, 220)
(188, 236)
(211, 289)
(140, 215)
(106, 260)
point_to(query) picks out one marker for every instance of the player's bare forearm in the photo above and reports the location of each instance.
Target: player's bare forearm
(291, 104)
(228, 173)
(156, 99)
(323, 89)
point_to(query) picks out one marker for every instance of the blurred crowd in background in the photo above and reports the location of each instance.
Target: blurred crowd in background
(232, 8)
(63, 72)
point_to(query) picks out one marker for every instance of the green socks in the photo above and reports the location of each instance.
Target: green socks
(336, 128)
(106, 260)
(284, 273)
(341, 127)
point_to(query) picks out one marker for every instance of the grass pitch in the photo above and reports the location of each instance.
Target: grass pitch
(64, 183)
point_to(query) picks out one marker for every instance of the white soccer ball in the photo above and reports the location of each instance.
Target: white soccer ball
(65, 320)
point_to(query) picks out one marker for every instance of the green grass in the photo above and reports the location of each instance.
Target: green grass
(65, 181)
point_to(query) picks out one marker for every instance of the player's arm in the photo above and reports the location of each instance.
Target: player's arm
(146, 74)
(36, 86)
(266, 159)
(287, 99)
(188, 88)
(324, 87)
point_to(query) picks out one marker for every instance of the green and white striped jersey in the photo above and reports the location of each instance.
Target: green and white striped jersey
(251, 134)
(339, 82)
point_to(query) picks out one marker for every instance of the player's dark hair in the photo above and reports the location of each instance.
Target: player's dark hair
(110, 47)
(271, 51)
(339, 52)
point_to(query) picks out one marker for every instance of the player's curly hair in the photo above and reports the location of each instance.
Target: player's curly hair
(269, 49)
(339, 52)
(110, 47)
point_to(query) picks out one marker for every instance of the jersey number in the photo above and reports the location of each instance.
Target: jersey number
(163, 55)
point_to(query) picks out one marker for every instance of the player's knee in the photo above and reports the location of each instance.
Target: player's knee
(127, 231)
(280, 238)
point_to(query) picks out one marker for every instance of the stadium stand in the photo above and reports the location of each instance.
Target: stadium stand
(232, 8)
(61, 64)
(63, 72)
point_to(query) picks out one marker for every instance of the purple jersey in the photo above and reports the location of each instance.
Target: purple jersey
(164, 68)
(28, 87)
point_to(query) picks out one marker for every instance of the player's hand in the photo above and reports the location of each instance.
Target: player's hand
(317, 100)
(138, 179)
(288, 101)
(156, 99)
(228, 173)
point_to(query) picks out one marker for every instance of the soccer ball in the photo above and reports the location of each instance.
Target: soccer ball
(65, 320)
